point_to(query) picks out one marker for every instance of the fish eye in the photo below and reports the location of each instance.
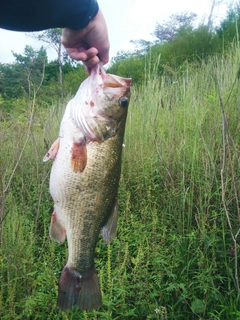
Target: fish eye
(123, 102)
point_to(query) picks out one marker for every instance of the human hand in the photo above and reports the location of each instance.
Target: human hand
(89, 45)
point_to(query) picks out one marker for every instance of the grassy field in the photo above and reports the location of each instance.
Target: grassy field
(176, 254)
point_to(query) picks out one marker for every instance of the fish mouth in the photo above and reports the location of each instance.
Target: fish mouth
(109, 80)
(112, 81)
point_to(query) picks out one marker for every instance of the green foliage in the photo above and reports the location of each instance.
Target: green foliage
(31, 73)
(16, 79)
(132, 67)
(167, 30)
(178, 44)
(188, 46)
(51, 72)
(73, 77)
(174, 256)
(51, 36)
(229, 28)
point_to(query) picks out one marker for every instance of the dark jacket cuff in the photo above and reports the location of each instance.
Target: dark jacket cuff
(37, 15)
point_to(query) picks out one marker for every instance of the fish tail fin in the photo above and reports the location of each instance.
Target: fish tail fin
(76, 290)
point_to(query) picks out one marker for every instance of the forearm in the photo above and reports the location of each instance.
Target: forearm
(36, 15)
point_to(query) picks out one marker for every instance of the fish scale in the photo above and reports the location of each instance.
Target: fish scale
(84, 182)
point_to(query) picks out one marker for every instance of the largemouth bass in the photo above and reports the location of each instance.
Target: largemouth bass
(84, 181)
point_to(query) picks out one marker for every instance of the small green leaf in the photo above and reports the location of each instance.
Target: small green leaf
(197, 306)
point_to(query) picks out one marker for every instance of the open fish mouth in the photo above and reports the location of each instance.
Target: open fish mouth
(99, 76)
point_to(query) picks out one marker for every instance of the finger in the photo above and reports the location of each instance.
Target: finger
(89, 64)
(104, 56)
(81, 54)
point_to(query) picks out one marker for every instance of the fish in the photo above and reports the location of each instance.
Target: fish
(84, 181)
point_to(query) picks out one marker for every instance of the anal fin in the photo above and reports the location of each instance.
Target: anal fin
(79, 156)
(52, 153)
(109, 230)
(56, 232)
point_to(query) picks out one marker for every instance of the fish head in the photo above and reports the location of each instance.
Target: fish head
(111, 93)
(103, 112)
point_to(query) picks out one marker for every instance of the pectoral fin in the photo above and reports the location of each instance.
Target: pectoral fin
(52, 153)
(109, 230)
(79, 156)
(57, 232)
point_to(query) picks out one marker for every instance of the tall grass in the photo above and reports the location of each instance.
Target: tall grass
(176, 254)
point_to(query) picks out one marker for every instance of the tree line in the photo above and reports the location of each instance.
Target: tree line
(179, 42)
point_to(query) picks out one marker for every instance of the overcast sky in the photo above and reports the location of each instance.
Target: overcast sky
(126, 20)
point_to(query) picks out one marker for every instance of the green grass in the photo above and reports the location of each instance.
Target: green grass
(176, 254)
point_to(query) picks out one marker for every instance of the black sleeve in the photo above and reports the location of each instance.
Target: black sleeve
(36, 15)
